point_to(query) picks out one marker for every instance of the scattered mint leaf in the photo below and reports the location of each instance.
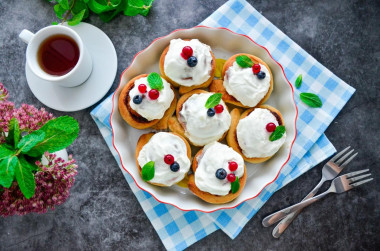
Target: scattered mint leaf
(213, 100)
(147, 172)
(77, 18)
(7, 171)
(244, 61)
(25, 178)
(59, 11)
(13, 132)
(64, 4)
(298, 81)
(5, 151)
(277, 134)
(135, 7)
(311, 99)
(54, 23)
(155, 81)
(30, 140)
(235, 185)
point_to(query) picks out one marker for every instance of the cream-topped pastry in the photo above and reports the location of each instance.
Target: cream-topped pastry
(147, 107)
(176, 65)
(200, 126)
(170, 156)
(253, 135)
(245, 86)
(217, 166)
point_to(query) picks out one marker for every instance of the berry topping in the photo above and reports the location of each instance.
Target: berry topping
(261, 75)
(231, 177)
(153, 94)
(174, 167)
(232, 166)
(219, 108)
(221, 174)
(256, 69)
(137, 99)
(192, 61)
(142, 88)
(211, 112)
(270, 127)
(169, 159)
(187, 52)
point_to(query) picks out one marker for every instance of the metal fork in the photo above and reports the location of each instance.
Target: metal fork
(340, 184)
(329, 171)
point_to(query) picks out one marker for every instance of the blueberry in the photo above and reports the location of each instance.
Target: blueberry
(211, 112)
(137, 99)
(174, 167)
(192, 61)
(221, 174)
(261, 75)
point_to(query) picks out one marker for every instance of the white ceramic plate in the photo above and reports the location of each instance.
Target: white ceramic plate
(224, 44)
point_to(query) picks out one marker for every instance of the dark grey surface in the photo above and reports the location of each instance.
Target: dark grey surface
(102, 212)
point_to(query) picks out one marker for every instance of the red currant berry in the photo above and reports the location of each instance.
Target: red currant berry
(256, 68)
(231, 177)
(187, 52)
(153, 94)
(232, 166)
(219, 108)
(142, 88)
(271, 127)
(169, 159)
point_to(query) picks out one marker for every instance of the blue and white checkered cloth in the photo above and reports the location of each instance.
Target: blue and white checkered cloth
(178, 229)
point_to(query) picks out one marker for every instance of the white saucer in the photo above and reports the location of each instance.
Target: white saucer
(96, 86)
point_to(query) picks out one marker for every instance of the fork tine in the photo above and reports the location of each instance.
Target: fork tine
(344, 157)
(361, 182)
(358, 177)
(340, 154)
(349, 160)
(348, 175)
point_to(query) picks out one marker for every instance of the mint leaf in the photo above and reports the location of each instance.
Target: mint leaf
(311, 99)
(30, 140)
(54, 23)
(59, 134)
(213, 100)
(64, 4)
(277, 134)
(77, 18)
(59, 11)
(244, 61)
(155, 81)
(5, 151)
(98, 8)
(25, 178)
(136, 7)
(7, 171)
(235, 185)
(298, 81)
(147, 172)
(13, 132)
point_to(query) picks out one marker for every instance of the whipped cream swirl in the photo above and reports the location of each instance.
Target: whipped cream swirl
(151, 109)
(176, 68)
(159, 145)
(253, 138)
(199, 127)
(214, 156)
(245, 86)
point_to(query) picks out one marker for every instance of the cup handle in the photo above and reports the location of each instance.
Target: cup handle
(26, 36)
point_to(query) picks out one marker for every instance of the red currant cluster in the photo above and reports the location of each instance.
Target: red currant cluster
(256, 70)
(222, 173)
(153, 94)
(169, 159)
(187, 54)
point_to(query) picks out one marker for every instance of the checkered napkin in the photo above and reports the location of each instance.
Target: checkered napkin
(178, 229)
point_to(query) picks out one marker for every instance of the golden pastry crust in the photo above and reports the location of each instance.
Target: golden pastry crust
(236, 116)
(174, 123)
(217, 85)
(185, 89)
(208, 197)
(145, 139)
(133, 118)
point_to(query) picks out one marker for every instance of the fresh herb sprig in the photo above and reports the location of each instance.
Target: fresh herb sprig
(213, 100)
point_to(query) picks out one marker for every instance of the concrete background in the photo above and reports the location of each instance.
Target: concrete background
(102, 212)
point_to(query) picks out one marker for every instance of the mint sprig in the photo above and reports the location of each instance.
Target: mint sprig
(311, 99)
(155, 81)
(235, 185)
(7, 171)
(147, 172)
(13, 132)
(244, 61)
(213, 100)
(298, 81)
(278, 133)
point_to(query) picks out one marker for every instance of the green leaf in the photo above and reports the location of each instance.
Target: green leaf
(277, 134)
(235, 185)
(59, 134)
(64, 4)
(98, 8)
(298, 81)
(54, 23)
(32, 161)
(136, 7)
(13, 132)
(5, 151)
(311, 99)
(155, 81)
(78, 7)
(244, 61)
(59, 11)
(30, 140)
(109, 15)
(25, 178)
(213, 100)
(147, 172)
(77, 18)
(7, 171)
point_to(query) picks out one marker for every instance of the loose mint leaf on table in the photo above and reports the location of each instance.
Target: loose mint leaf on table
(13, 132)
(147, 172)
(311, 99)
(25, 178)
(7, 171)
(244, 61)
(77, 18)
(59, 133)
(235, 185)
(213, 100)
(277, 134)
(5, 151)
(30, 140)
(298, 81)
(155, 81)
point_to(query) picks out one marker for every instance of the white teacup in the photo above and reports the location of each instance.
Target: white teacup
(77, 75)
